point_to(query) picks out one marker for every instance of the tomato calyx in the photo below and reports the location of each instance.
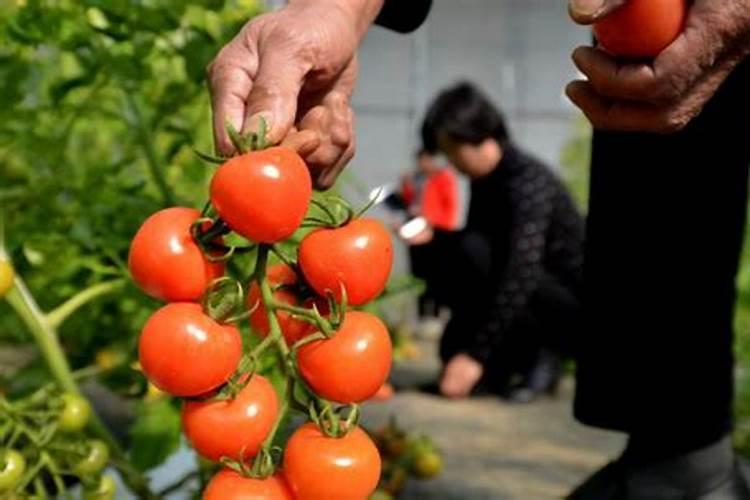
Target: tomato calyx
(263, 465)
(209, 239)
(222, 300)
(335, 422)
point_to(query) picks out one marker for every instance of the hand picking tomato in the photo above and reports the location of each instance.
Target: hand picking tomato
(352, 365)
(318, 467)
(184, 352)
(358, 256)
(641, 28)
(230, 485)
(232, 428)
(165, 260)
(292, 328)
(263, 195)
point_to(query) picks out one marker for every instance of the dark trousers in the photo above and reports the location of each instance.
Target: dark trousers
(548, 322)
(664, 234)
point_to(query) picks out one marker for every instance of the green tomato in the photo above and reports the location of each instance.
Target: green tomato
(75, 414)
(105, 490)
(6, 277)
(428, 464)
(95, 461)
(12, 467)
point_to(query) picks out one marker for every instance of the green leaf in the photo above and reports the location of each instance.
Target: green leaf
(155, 434)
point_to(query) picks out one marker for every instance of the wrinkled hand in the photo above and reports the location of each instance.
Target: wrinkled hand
(460, 376)
(296, 68)
(665, 95)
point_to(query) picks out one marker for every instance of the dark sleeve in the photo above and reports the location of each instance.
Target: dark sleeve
(403, 16)
(532, 194)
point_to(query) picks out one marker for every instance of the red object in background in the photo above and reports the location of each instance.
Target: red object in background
(439, 200)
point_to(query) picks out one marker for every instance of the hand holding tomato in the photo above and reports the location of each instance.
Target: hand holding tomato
(664, 94)
(296, 68)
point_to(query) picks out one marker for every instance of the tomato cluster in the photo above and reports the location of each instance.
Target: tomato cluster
(56, 447)
(332, 357)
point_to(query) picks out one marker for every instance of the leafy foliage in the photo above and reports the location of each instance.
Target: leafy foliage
(101, 103)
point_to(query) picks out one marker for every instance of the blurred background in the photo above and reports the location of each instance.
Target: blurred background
(101, 105)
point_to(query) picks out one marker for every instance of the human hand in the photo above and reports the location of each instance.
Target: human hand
(296, 68)
(664, 95)
(460, 376)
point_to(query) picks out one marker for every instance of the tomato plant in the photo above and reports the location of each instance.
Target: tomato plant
(334, 257)
(75, 413)
(166, 262)
(320, 467)
(191, 338)
(12, 467)
(352, 365)
(234, 428)
(285, 283)
(94, 461)
(263, 195)
(641, 28)
(229, 484)
(105, 489)
(6, 276)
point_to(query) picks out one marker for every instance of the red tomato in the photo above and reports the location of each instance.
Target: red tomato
(292, 328)
(318, 467)
(358, 255)
(641, 28)
(263, 195)
(233, 428)
(184, 352)
(353, 364)
(230, 485)
(165, 260)
(385, 393)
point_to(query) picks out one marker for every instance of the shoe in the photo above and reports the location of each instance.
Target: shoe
(711, 473)
(543, 378)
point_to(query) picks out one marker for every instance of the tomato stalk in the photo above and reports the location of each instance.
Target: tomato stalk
(58, 315)
(45, 336)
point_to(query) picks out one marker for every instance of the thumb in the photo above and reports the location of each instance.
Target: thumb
(591, 11)
(275, 93)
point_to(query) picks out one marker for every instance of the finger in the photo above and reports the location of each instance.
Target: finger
(327, 178)
(275, 91)
(636, 82)
(590, 11)
(608, 114)
(303, 142)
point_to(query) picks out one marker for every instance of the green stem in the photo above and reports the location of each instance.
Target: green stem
(57, 316)
(143, 133)
(24, 304)
(268, 301)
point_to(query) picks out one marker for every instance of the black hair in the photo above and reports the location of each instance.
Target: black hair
(466, 115)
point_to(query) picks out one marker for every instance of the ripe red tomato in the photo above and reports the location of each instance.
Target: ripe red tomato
(358, 255)
(230, 485)
(352, 365)
(292, 328)
(641, 28)
(184, 352)
(263, 195)
(165, 260)
(233, 428)
(318, 467)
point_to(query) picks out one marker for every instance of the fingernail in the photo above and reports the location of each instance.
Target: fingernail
(586, 7)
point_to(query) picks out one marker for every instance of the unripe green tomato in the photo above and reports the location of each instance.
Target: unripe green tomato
(75, 413)
(95, 461)
(12, 467)
(105, 490)
(7, 275)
